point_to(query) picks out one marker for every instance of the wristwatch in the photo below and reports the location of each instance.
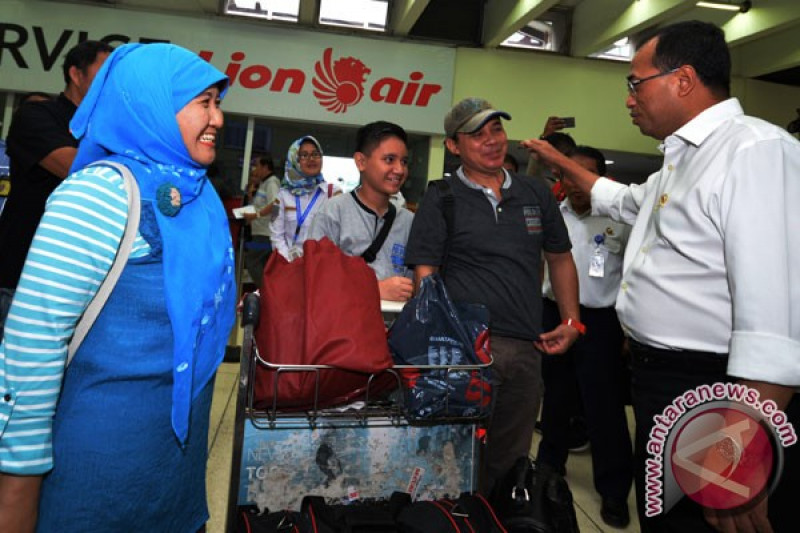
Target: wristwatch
(575, 323)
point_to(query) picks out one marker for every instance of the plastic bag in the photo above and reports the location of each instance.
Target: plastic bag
(434, 330)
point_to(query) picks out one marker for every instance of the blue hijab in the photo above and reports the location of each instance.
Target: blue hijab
(128, 116)
(294, 180)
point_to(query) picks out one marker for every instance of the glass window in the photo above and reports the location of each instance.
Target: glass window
(361, 14)
(286, 10)
(549, 32)
(535, 34)
(342, 172)
(621, 50)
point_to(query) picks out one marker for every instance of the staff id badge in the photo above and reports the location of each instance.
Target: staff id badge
(597, 263)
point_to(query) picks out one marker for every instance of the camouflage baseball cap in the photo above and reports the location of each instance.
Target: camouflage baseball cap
(469, 115)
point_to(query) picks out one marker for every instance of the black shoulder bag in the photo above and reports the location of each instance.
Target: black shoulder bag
(371, 253)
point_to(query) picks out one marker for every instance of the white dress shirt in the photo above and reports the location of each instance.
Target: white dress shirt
(595, 291)
(266, 194)
(713, 261)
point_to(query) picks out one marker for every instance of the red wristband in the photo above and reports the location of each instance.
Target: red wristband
(575, 323)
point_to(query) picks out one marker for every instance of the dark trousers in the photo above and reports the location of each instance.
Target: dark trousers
(658, 377)
(591, 372)
(517, 393)
(256, 253)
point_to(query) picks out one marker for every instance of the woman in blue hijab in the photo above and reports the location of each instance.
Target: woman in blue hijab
(126, 443)
(303, 191)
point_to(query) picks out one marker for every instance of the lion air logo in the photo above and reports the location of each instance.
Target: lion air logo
(340, 84)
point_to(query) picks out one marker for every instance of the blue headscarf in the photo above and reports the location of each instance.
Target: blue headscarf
(294, 180)
(129, 116)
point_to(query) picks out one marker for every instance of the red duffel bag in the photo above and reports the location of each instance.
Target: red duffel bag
(321, 309)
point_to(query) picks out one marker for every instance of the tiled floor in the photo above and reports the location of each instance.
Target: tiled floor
(579, 475)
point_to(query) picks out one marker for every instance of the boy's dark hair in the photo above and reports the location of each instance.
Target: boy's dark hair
(369, 136)
(512, 160)
(561, 142)
(699, 44)
(592, 153)
(82, 55)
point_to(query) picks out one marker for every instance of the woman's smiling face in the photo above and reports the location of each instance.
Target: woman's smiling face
(309, 159)
(199, 121)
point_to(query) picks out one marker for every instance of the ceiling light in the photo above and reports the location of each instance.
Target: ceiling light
(741, 7)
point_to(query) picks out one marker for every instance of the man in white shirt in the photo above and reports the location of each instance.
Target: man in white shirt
(590, 377)
(710, 289)
(262, 192)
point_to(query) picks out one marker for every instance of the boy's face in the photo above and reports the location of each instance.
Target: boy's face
(385, 169)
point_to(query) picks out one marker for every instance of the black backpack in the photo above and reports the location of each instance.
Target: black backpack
(534, 498)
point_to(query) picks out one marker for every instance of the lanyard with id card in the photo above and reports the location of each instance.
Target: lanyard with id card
(597, 263)
(296, 250)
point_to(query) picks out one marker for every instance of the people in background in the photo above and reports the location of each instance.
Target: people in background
(223, 183)
(41, 150)
(710, 284)
(563, 142)
(590, 377)
(501, 226)
(122, 433)
(510, 163)
(263, 190)
(302, 194)
(357, 220)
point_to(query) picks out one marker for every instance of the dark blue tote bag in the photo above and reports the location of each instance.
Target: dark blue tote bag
(433, 330)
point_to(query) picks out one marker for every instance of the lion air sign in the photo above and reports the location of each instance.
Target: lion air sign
(344, 85)
(339, 84)
(277, 72)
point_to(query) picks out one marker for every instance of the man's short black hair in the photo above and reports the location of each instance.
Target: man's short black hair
(592, 153)
(82, 55)
(34, 95)
(369, 136)
(699, 44)
(510, 159)
(561, 142)
(266, 159)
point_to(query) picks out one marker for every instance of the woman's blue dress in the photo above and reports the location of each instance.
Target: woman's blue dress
(118, 464)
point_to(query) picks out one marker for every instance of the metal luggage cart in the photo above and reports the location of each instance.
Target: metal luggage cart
(345, 453)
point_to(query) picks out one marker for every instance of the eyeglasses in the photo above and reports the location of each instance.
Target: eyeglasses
(633, 83)
(302, 156)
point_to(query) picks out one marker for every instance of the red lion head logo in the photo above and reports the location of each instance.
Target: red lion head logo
(341, 84)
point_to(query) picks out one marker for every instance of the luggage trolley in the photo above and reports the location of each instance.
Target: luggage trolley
(365, 450)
